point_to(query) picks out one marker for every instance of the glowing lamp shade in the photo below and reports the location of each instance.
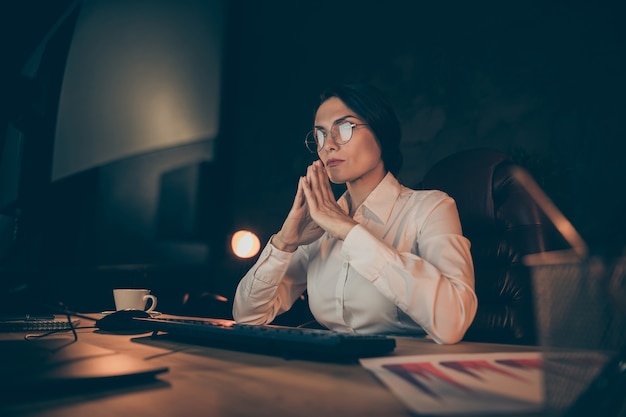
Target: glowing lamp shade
(245, 244)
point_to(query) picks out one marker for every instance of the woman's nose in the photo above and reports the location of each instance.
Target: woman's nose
(330, 143)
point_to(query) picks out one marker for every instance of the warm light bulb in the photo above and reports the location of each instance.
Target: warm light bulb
(245, 244)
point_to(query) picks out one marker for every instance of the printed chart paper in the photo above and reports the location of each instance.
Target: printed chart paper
(464, 383)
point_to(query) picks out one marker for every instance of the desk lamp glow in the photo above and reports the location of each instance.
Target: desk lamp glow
(245, 244)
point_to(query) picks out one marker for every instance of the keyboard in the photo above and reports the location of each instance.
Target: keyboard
(36, 325)
(292, 342)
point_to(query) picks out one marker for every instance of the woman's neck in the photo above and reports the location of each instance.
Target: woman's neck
(359, 189)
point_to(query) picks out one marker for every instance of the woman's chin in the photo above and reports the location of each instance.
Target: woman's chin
(336, 179)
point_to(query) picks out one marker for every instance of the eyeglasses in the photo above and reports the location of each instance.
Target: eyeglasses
(341, 132)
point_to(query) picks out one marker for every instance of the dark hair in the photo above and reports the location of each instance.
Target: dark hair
(374, 108)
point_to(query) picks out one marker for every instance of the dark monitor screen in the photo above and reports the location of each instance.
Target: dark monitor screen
(10, 168)
(140, 77)
(129, 95)
(25, 163)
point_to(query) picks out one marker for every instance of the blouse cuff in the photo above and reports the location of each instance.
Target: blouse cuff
(274, 251)
(271, 260)
(365, 253)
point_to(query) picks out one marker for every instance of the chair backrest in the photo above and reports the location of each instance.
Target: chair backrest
(503, 224)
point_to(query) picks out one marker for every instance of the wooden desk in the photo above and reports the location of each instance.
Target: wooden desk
(205, 381)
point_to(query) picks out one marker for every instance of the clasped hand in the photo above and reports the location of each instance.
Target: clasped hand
(313, 212)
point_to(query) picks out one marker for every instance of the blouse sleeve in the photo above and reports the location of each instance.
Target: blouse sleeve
(271, 286)
(435, 285)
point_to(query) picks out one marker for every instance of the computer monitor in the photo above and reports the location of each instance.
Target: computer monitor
(129, 92)
(140, 76)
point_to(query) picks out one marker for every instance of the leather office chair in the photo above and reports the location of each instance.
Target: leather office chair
(503, 224)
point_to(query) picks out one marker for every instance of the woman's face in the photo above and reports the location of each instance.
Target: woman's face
(355, 160)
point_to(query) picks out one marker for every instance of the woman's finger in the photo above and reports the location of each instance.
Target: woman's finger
(298, 199)
(314, 183)
(324, 182)
(312, 177)
(320, 184)
(319, 173)
(309, 195)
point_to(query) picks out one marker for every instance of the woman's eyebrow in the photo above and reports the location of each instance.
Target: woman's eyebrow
(341, 119)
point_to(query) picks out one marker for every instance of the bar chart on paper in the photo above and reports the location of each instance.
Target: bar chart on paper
(464, 383)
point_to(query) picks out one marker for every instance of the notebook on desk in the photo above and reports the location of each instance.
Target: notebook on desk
(60, 364)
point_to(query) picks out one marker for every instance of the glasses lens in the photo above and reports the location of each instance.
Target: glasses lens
(310, 142)
(345, 131)
(321, 138)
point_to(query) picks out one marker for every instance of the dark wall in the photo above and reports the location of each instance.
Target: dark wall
(540, 80)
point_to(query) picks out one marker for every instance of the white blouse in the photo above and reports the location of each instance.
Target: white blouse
(405, 268)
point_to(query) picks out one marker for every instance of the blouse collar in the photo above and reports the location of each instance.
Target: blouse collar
(380, 201)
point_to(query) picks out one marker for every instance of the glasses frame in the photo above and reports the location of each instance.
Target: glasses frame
(339, 141)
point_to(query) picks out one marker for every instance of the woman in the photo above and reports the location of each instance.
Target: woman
(383, 258)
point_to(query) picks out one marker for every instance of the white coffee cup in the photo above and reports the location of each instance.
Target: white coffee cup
(133, 299)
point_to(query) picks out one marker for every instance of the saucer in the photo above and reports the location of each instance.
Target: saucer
(152, 313)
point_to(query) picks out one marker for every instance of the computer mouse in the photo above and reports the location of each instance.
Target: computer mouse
(121, 320)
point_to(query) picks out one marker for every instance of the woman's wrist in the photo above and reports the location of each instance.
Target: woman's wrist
(280, 244)
(345, 229)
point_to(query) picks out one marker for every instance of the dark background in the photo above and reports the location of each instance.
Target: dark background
(541, 80)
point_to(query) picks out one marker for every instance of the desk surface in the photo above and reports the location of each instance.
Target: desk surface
(204, 381)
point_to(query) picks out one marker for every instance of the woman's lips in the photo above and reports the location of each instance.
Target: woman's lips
(333, 162)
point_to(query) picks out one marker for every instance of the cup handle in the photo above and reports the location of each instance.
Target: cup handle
(153, 303)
